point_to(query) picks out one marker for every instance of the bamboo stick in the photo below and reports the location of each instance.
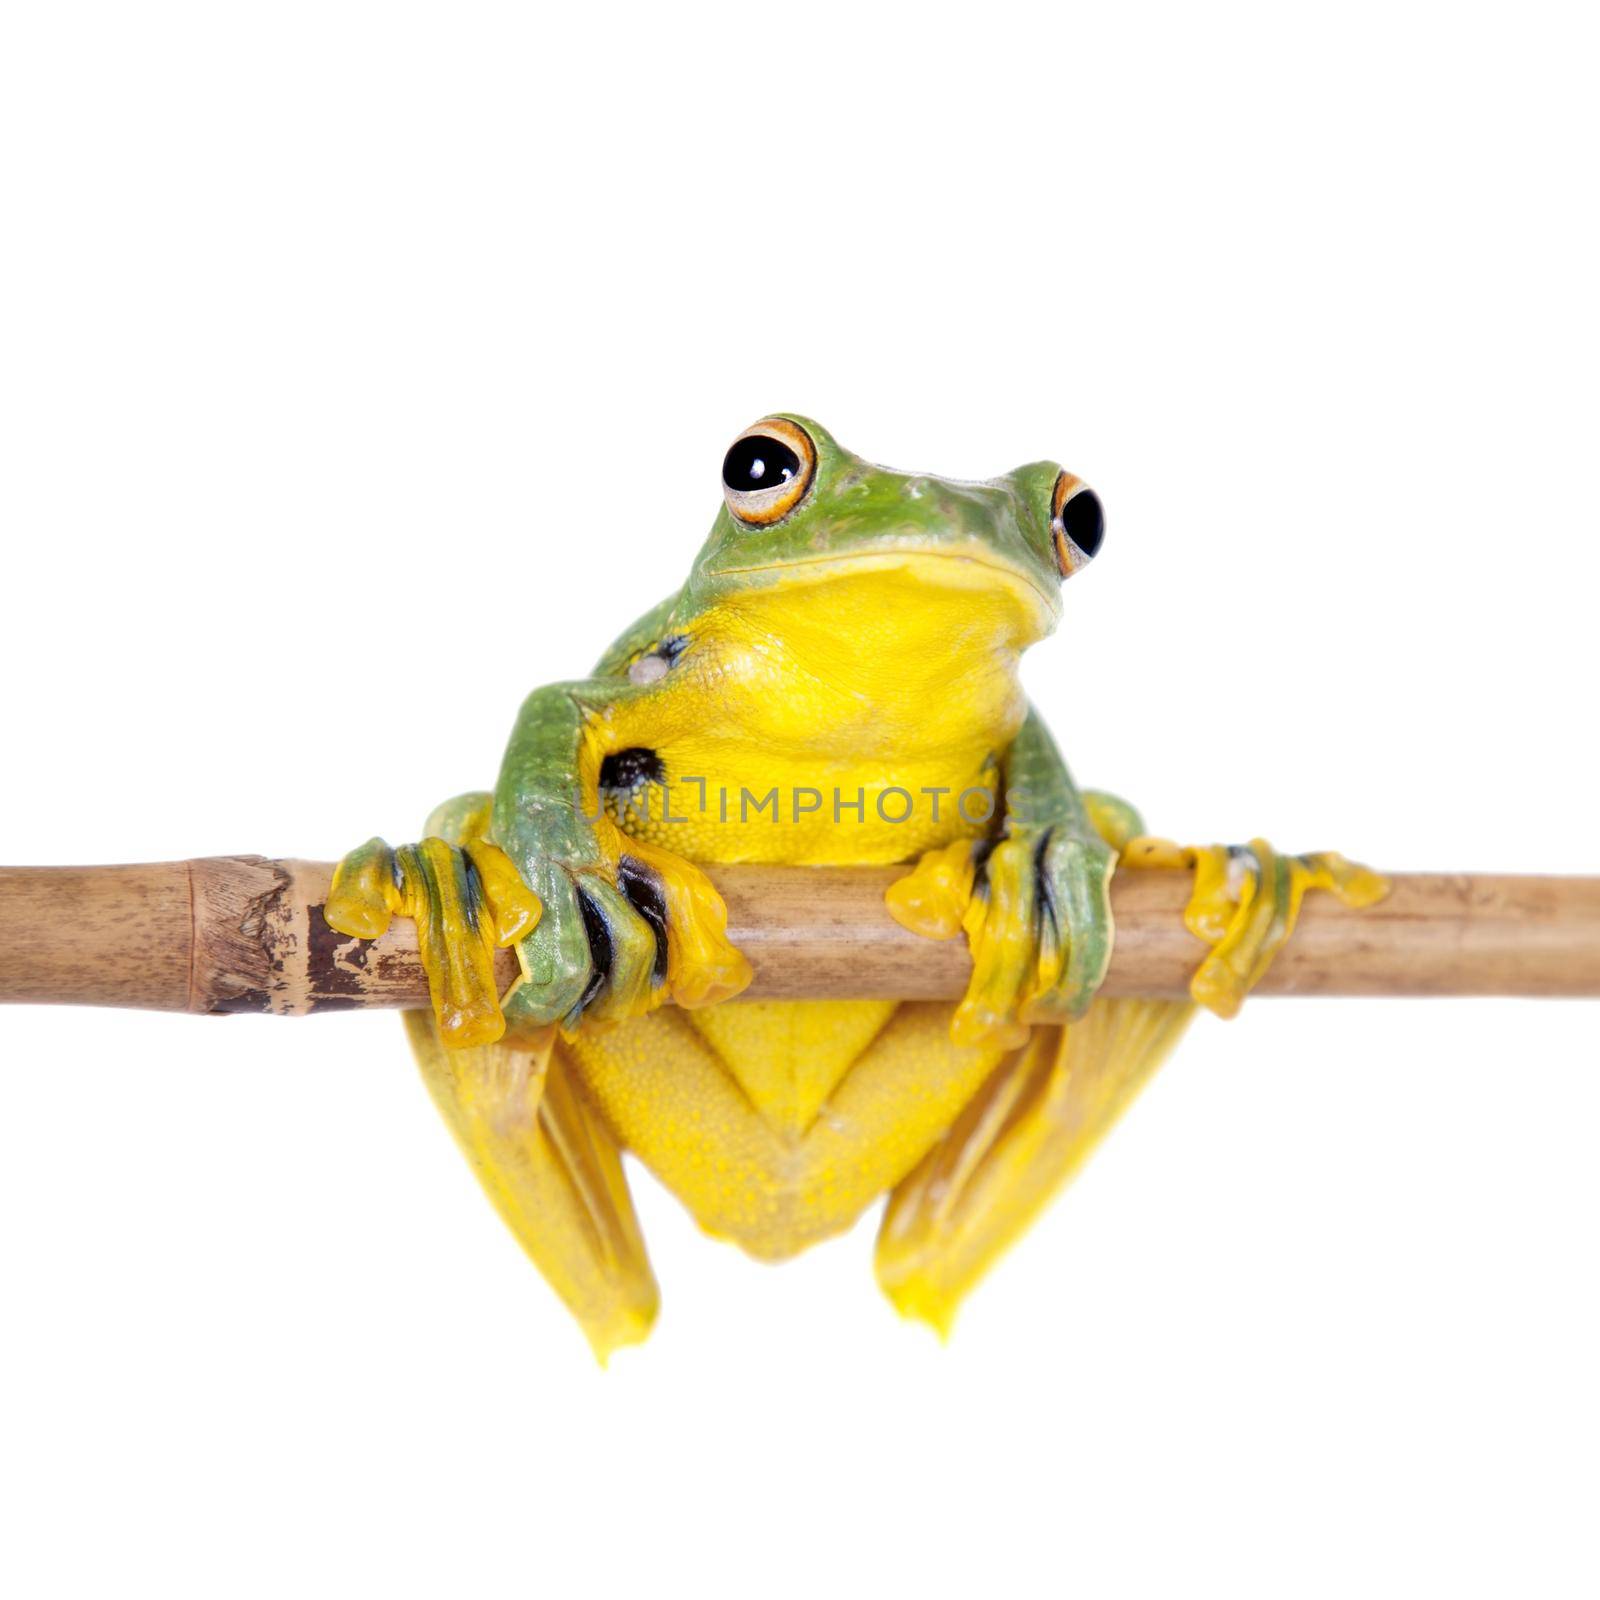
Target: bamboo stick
(246, 934)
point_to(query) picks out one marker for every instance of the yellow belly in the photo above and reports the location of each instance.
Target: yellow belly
(777, 1124)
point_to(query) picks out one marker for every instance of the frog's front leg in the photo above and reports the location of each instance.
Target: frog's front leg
(1035, 903)
(1034, 900)
(605, 926)
(626, 925)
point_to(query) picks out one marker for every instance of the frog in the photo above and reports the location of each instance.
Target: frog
(836, 683)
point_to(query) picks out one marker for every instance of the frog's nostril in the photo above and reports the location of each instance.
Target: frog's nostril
(1084, 521)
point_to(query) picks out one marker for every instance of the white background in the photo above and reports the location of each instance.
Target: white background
(362, 367)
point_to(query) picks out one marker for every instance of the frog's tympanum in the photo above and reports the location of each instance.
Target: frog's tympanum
(835, 683)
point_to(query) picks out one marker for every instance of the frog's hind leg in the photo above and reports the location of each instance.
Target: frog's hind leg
(1024, 1135)
(1044, 1109)
(552, 1170)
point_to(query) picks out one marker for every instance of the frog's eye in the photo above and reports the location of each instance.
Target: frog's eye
(767, 471)
(1077, 523)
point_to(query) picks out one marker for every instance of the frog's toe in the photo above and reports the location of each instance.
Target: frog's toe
(626, 980)
(932, 898)
(1245, 903)
(1003, 934)
(1075, 930)
(464, 900)
(365, 893)
(694, 956)
(566, 959)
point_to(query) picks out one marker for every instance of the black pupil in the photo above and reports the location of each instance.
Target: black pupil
(1084, 521)
(759, 463)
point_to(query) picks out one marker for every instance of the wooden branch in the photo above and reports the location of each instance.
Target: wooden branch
(245, 934)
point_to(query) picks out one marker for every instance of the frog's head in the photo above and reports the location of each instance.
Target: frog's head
(803, 516)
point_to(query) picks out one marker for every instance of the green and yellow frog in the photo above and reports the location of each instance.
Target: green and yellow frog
(836, 683)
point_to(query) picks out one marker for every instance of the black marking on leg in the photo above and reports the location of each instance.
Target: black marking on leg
(413, 867)
(471, 886)
(671, 648)
(643, 890)
(624, 770)
(1047, 897)
(594, 924)
(981, 852)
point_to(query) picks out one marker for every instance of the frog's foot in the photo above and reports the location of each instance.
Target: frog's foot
(622, 934)
(1036, 908)
(465, 900)
(1244, 904)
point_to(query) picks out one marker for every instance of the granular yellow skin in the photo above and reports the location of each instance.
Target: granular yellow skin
(779, 1129)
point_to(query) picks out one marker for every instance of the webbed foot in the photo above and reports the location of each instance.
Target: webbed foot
(1244, 904)
(655, 929)
(603, 932)
(1036, 908)
(465, 900)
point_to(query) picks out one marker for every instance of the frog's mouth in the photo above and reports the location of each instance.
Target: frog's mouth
(974, 568)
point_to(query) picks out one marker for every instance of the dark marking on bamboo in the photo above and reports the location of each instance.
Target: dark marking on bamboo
(243, 1003)
(242, 936)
